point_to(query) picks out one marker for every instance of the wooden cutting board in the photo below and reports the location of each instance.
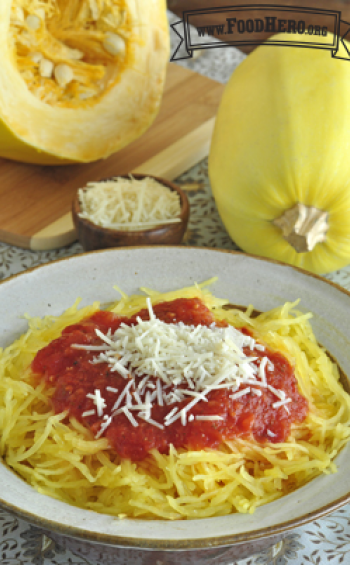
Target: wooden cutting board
(35, 201)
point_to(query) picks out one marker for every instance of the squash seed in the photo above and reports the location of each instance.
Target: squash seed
(114, 44)
(63, 75)
(45, 68)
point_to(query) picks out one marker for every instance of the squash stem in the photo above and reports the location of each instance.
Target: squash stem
(303, 226)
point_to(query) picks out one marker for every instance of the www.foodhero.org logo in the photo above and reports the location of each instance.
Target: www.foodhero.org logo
(270, 24)
(240, 25)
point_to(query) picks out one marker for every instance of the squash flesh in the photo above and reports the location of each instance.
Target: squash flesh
(282, 137)
(70, 33)
(112, 97)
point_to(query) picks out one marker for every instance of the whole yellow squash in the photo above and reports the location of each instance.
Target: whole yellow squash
(279, 161)
(79, 79)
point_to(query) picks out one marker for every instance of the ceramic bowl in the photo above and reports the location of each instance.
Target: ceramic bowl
(92, 236)
(243, 280)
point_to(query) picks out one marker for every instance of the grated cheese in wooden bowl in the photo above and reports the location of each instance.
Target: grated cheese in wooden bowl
(129, 204)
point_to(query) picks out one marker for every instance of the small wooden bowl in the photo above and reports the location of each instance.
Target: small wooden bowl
(92, 236)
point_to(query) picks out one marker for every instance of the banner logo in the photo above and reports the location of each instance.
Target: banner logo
(234, 27)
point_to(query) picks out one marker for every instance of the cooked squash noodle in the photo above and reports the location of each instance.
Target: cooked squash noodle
(62, 459)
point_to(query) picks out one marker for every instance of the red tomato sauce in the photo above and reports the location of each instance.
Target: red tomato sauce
(72, 375)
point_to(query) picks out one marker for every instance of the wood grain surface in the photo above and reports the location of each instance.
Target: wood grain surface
(35, 211)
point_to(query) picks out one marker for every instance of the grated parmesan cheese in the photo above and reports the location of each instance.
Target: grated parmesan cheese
(99, 402)
(191, 360)
(129, 204)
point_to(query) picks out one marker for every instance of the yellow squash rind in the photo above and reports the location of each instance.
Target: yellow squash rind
(282, 137)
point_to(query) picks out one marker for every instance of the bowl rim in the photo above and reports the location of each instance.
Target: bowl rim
(161, 543)
(88, 224)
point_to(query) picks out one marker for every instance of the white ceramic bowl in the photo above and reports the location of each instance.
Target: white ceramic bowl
(244, 280)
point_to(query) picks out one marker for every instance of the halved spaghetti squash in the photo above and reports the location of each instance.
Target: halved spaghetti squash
(79, 79)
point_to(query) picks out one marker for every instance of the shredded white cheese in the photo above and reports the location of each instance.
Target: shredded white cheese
(129, 204)
(186, 361)
(99, 402)
(88, 413)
